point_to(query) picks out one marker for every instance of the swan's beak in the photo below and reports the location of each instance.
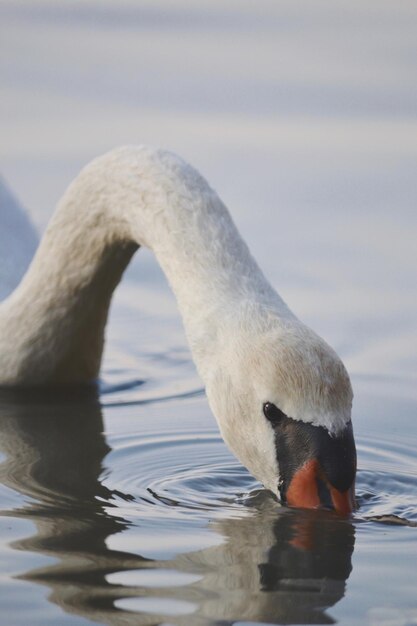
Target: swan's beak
(323, 475)
(309, 488)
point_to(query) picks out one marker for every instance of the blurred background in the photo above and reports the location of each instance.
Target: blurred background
(303, 116)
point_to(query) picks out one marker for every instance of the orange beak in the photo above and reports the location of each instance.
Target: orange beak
(310, 489)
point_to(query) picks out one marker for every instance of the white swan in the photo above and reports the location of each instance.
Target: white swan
(281, 395)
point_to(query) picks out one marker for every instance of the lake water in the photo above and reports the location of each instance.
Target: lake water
(125, 507)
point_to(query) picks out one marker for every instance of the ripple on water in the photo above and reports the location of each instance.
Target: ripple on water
(188, 471)
(157, 606)
(387, 489)
(169, 377)
(192, 471)
(174, 519)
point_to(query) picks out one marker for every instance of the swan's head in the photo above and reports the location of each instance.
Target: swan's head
(283, 401)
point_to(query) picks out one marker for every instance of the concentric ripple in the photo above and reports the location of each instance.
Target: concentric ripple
(181, 461)
(185, 470)
(191, 470)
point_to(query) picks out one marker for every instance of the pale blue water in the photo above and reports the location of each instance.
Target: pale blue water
(126, 507)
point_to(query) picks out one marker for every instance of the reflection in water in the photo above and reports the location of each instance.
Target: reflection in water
(277, 566)
(274, 565)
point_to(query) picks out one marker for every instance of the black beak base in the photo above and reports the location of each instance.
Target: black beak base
(317, 469)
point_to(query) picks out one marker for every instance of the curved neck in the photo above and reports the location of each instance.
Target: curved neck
(52, 326)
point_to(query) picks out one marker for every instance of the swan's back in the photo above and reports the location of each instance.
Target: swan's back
(18, 241)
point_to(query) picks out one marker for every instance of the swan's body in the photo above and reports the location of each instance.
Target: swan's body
(248, 346)
(18, 242)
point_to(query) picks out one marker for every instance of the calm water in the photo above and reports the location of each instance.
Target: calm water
(125, 506)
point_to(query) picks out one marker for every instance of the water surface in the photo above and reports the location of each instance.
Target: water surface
(128, 514)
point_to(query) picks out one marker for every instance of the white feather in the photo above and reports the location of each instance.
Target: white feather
(248, 346)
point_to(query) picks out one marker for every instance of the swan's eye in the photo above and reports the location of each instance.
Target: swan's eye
(273, 413)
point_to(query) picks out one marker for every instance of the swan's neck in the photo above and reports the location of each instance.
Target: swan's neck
(52, 326)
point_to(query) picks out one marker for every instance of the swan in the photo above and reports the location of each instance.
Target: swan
(280, 394)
